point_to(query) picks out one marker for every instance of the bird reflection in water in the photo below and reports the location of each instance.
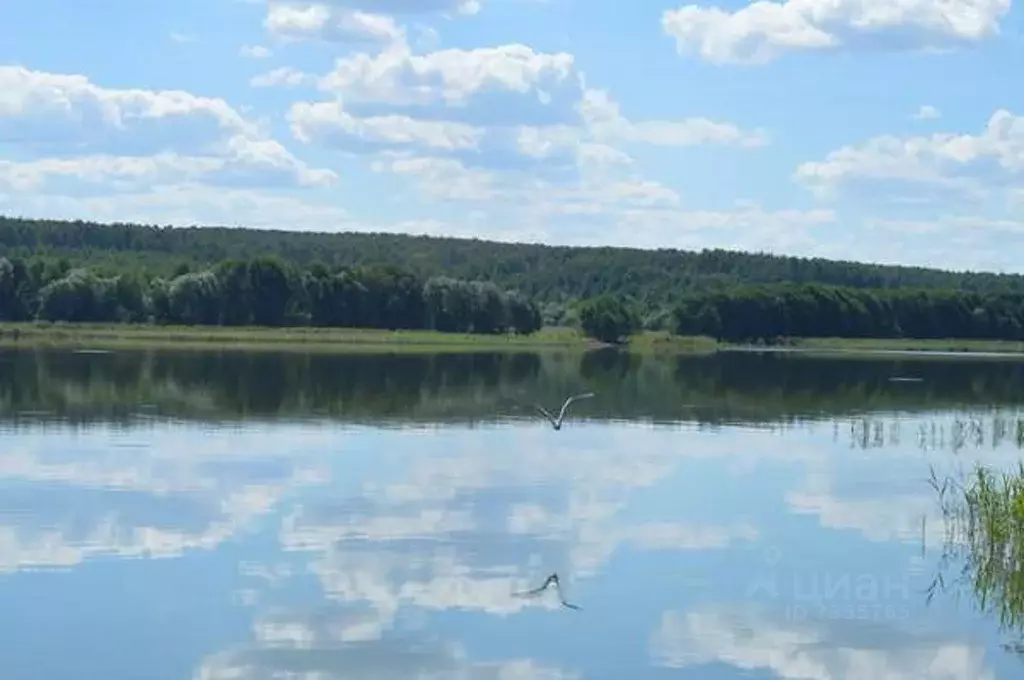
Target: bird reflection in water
(553, 578)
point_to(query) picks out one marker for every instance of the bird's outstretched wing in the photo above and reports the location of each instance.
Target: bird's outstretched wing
(540, 589)
(544, 412)
(561, 597)
(530, 593)
(575, 397)
(553, 578)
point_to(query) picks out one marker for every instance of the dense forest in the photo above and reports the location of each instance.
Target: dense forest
(263, 291)
(547, 274)
(80, 271)
(771, 312)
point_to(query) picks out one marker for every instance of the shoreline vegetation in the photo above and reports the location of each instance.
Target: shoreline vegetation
(97, 336)
(87, 285)
(113, 336)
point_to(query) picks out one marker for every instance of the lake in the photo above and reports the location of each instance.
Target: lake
(215, 515)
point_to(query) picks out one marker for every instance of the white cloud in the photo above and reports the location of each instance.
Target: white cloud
(255, 52)
(426, 38)
(927, 112)
(467, 7)
(102, 169)
(744, 226)
(604, 120)
(512, 131)
(893, 517)
(602, 127)
(71, 127)
(329, 124)
(630, 211)
(408, 6)
(355, 20)
(823, 649)
(206, 204)
(451, 76)
(765, 29)
(504, 123)
(37, 107)
(186, 204)
(324, 22)
(302, 647)
(158, 502)
(283, 76)
(971, 165)
(244, 162)
(442, 178)
(450, 498)
(570, 164)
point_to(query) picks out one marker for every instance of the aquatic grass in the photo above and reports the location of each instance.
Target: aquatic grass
(984, 520)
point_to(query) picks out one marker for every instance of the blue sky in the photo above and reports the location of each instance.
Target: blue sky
(882, 130)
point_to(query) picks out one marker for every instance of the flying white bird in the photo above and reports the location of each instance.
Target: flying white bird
(558, 587)
(557, 422)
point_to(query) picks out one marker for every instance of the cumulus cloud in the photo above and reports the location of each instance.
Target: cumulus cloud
(353, 20)
(324, 22)
(328, 123)
(442, 178)
(604, 120)
(894, 517)
(630, 211)
(244, 163)
(927, 112)
(189, 203)
(306, 649)
(255, 52)
(765, 29)
(71, 127)
(465, 103)
(971, 165)
(513, 132)
(752, 640)
(69, 111)
(502, 123)
(397, 76)
(466, 7)
(452, 531)
(283, 76)
(160, 501)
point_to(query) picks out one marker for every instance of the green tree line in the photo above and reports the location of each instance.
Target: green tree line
(262, 291)
(793, 310)
(551, 275)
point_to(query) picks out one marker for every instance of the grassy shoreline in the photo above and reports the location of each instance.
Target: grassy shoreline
(340, 340)
(305, 339)
(868, 345)
(145, 336)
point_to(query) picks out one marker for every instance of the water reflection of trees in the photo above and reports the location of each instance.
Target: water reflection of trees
(954, 432)
(712, 390)
(983, 550)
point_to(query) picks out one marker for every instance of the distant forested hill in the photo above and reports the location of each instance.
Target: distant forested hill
(545, 273)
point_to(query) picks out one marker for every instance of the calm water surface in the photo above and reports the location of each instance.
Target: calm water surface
(202, 515)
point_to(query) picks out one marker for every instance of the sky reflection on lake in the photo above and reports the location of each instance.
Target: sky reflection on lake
(192, 549)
